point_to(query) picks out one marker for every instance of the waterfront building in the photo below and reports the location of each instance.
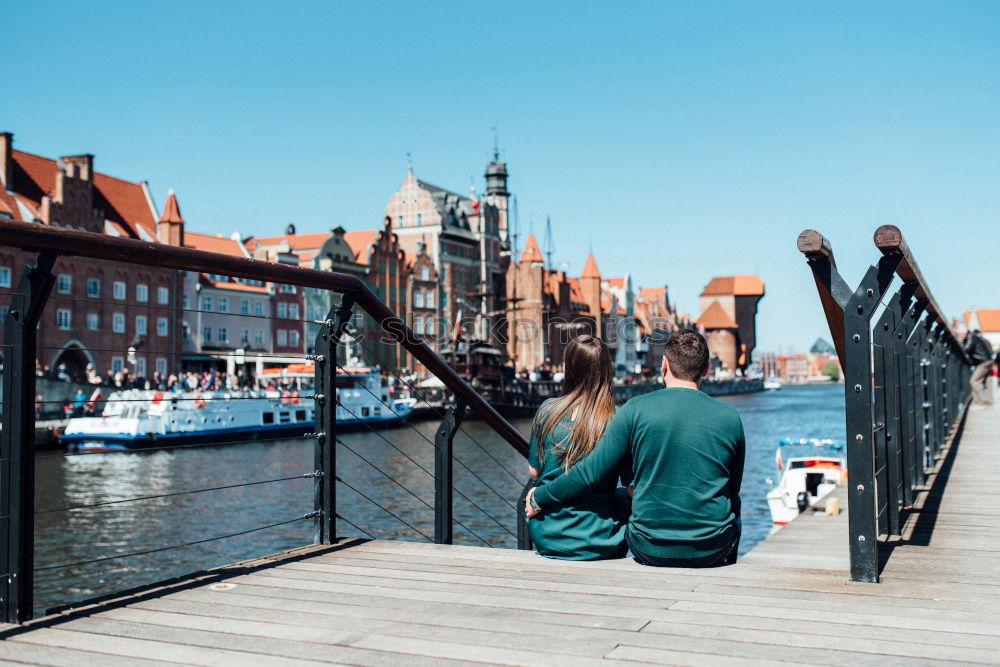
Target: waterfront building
(729, 319)
(466, 238)
(97, 309)
(424, 308)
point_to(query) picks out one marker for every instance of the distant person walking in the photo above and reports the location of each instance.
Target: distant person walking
(981, 353)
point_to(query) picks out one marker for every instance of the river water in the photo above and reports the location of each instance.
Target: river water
(487, 472)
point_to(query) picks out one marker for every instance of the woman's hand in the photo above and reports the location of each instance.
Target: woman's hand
(529, 508)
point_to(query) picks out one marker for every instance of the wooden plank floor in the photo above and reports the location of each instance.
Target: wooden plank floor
(381, 602)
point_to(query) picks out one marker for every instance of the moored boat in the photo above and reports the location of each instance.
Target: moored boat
(810, 469)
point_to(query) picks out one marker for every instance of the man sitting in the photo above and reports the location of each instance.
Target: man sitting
(687, 452)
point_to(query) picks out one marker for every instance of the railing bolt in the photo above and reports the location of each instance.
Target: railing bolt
(861, 487)
(869, 292)
(861, 538)
(859, 437)
(857, 338)
(857, 388)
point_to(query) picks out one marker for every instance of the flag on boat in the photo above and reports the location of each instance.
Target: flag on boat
(94, 398)
(777, 458)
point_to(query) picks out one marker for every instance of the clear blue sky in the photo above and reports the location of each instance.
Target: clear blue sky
(682, 139)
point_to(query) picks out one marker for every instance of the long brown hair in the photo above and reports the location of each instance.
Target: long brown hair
(587, 386)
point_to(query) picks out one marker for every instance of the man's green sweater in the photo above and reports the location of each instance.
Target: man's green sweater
(687, 460)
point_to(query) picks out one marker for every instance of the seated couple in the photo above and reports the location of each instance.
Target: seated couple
(678, 452)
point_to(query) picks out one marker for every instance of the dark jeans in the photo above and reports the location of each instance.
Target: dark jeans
(725, 557)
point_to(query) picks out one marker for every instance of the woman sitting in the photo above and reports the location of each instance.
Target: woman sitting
(565, 430)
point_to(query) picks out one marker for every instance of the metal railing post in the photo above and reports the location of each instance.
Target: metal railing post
(444, 441)
(524, 542)
(17, 440)
(325, 360)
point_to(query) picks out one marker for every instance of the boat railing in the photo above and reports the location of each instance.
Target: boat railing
(485, 475)
(906, 384)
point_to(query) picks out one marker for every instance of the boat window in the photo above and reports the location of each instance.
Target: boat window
(345, 382)
(284, 417)
(300, 415)
(378, 410)
(365, 411)
(268, 417)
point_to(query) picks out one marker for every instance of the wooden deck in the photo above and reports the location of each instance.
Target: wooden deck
(382, 602)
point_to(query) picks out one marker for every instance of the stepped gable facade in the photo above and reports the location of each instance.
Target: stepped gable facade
(729, 319)
(97, 309)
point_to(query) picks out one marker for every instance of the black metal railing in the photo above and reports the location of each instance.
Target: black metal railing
(480, 491)
(906, 386)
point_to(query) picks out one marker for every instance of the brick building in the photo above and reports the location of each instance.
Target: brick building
(97, 309)
(729, 319)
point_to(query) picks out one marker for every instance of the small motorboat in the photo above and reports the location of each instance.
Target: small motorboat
(810, 469)
(772, 383)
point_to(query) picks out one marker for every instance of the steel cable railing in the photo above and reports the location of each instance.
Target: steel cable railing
(19, 347)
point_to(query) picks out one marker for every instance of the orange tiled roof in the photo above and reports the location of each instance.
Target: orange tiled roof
(531, 252)
(171, 211)
(236, 287)
(123, 202)
(9, 206)
(716, 318)
(989, 320)
(590, 267)
(616, 282)
(294, 241)
(653, 294)
(359, 243)
(219, 244)
(737, 285)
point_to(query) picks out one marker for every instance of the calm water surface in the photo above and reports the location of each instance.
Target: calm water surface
(64, 537)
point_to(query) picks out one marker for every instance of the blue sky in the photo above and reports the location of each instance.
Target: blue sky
(681, 140)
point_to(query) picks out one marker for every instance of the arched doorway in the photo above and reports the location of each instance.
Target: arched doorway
(71, 360)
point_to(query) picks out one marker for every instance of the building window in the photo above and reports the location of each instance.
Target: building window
(282, 338)
(418, 298)
(206, 304)
(65, 283)
(64, 319)
(223, 304)
(244, 307)
(401, 220)
(161, 326)
(282, 310)
(140, 325)
(259, 337)
(287, 289)
(161, 366)
(420, 219)
(92, 321)
(118, 290)
(162, 297)
(223, 335)
(245, 337)
(418, 324)
(118, 323)
(142, 293)
(425, 273)
(429, 303)
(206, 334)
(293, 311)
(140, 367)
(293, 338)
(185, 301)
(4, 276)
(94, 288)
(185, 332)
(117, 364)
(258, 308)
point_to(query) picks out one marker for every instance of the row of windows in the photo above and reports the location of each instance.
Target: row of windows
(422, 299)
(221, 335)
(118, 364)
(64, 321)
(119, 289)
(221, 305)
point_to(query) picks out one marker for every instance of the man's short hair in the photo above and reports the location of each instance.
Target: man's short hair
(687, 353)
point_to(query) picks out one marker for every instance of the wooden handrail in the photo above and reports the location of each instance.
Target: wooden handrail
(39, 237)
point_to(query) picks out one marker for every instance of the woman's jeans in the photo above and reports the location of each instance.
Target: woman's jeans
(725, 557)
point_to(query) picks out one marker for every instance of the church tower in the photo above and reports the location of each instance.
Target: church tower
(590, 286)
(497, 194)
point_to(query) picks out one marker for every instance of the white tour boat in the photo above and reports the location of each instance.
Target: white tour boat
(136, 419)
(772, 383)
(810, 469)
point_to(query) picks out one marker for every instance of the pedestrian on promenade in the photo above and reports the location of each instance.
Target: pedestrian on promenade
(686, 451)
(981, 354)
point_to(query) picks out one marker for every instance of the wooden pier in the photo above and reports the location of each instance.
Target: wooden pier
(382, 602)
